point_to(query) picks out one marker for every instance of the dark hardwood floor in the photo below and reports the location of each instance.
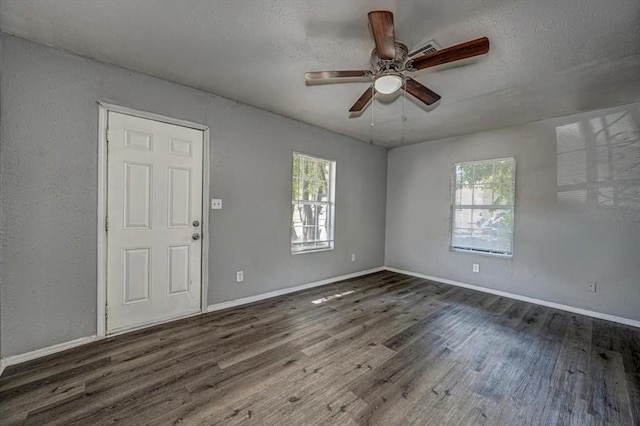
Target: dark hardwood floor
(383, 349)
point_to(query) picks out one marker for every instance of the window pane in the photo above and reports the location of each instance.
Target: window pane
(295, 188)
(319, 191)
(296, 225)
(466, 195)
(482, 195)
(504, 183)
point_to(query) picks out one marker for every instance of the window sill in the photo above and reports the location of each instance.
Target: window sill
(481, 253)
(311, 251)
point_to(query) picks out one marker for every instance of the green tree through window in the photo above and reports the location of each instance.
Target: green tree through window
(312, 207)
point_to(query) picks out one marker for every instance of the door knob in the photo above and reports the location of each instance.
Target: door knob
(196, 223)
(195, 236)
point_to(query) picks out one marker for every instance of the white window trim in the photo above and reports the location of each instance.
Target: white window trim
(330, 204)
(455, 249)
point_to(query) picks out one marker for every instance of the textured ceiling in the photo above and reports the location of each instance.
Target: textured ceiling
(547, 58)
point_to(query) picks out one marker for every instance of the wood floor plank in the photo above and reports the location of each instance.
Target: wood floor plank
(609, 396)
(396, 388)
(385, 349)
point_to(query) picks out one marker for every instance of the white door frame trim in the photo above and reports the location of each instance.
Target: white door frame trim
(103, 110)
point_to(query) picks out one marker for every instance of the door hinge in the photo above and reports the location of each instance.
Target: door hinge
(108, 135)
(106, 224)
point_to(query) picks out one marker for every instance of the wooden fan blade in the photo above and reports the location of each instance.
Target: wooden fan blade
(383, 35)
(325, 75)
(461, 51)
(420, 92)
(363, 100)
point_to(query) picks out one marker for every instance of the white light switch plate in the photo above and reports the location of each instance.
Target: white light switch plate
(216, 204)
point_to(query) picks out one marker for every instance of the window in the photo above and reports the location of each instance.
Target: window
(312, 204)
(483, 206)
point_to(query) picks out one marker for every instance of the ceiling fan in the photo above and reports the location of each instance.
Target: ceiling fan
(391, 63)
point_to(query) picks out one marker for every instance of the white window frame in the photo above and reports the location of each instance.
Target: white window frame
(455, 206)
(330, 205)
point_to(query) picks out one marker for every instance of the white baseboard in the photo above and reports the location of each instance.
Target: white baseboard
(256, 298)
(39, 353)
(594, 314)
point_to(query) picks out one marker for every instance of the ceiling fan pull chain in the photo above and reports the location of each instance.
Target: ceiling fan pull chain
(404, 102)
(373, 101)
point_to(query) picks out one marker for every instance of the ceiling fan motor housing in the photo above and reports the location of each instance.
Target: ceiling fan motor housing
(396, 64)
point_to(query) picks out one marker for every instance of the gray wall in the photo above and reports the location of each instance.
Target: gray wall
(49, 179)
(1, 208)
(568, 229)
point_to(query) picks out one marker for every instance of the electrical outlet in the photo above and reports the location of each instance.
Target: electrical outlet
(216, 204)
(353, 257)
(476, 267)
(239, 276)
(592, 287)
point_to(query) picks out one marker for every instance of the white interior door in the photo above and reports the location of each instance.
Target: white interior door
(154, 213)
